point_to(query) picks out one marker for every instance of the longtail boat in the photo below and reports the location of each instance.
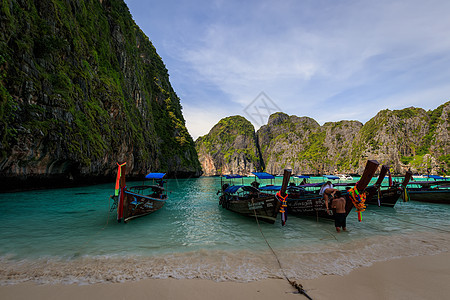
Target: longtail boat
(303, 202)
(250, 201)
(386, 196)
(429, 191)
(344, 177)
(137, 201)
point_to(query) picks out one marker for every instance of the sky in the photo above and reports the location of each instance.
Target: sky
(325, 59)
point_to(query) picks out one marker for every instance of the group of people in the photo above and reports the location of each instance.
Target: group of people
(338, 202)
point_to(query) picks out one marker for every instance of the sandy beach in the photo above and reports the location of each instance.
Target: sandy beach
(421, 277)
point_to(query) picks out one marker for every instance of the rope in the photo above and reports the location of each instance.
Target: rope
(296, 285)
(331, 234)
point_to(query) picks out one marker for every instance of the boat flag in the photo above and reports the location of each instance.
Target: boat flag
(116, 193)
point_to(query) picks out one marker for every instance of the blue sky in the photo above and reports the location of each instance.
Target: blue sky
(326, 59)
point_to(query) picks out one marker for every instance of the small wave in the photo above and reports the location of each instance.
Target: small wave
(298, 263)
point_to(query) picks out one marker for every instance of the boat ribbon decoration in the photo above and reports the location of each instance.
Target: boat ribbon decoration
(358, 201)
(379, 197)
(121, 194)
(405, 196)
(116, 192)
(390, 177)
(282, 207)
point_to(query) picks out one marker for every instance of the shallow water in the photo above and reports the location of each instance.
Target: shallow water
(70, 236)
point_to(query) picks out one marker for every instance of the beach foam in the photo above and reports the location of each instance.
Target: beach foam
(305, 262)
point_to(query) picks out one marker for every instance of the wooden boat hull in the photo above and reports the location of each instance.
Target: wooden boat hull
(251, 202)
(312, 205)
(388, 197)
(137, 201)
(263, 206)
(137, 205)
(430, 195)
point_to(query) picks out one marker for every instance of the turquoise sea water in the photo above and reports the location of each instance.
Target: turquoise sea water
(70, 236)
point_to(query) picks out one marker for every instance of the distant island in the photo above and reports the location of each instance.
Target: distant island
(408, 139)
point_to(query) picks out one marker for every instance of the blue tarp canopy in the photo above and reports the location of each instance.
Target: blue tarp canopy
(271, 188)
(435, 177)
(330, 177)
(230, 176)
(246, 188)
(232, 189)
(313, 184)
(302, 176)
(155, 175)
(263, 175)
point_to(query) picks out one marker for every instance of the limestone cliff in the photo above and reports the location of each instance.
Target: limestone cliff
(408, 139)
(229, 148)
(81, 88)
(304, 146)
(411, 138)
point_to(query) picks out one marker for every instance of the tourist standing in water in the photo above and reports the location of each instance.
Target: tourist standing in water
(340, 218)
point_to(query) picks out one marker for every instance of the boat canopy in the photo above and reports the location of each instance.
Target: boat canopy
(302, 176)
(331, 177)
(230, 176)
(436, 177)
(270, 188)
(316, 184)
(296, 189)
(155, 175)
(263, 175)
(234, 188)
(344, 184)
(429, 183)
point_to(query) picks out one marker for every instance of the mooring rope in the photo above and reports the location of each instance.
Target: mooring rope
(331, 234)
(296, 285)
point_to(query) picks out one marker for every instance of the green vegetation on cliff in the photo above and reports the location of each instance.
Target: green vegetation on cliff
(7, 112)
(315, 152)
(84, 81)
(230, 142)
(407, 138)
(411, 138)
(226, 131)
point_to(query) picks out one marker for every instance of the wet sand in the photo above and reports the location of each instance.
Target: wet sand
(420, 277)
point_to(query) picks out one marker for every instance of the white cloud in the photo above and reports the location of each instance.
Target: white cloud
(324, 59)
(200, 119)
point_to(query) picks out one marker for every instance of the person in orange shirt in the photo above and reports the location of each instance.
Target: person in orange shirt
(340, 218)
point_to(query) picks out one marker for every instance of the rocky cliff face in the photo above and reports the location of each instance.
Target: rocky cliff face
(409, 139)
(304, 146)
(81, 88)
(229, 148)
